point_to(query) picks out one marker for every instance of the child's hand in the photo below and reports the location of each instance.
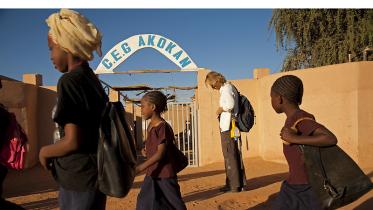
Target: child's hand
(219, 111)
(45, 162)
(143, 152)
(287, 135)
(139, 169)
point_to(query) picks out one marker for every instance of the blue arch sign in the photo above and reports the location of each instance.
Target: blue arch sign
(124, 49)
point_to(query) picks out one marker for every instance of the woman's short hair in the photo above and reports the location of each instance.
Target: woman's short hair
(213, 77)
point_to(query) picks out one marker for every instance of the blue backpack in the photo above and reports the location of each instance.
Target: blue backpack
(246, 116)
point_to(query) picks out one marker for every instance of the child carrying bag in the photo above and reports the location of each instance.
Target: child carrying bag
(13, 149)
(335, 178)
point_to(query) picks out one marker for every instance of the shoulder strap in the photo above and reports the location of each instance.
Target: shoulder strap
(294, 127)
(326, 183)
(234, 88)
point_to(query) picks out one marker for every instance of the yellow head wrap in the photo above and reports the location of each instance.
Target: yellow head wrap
(74, 33)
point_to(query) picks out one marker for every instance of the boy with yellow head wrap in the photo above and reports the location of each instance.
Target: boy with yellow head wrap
(80, 102)
(74, 34)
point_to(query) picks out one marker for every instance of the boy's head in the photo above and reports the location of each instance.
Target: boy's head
(154, 101)
(215, 80)
(70, 33)
(285, 90)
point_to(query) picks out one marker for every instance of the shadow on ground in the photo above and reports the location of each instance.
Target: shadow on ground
(259, 182)
(47, 204)
(187, 177)
(30, 181)
(253, 184)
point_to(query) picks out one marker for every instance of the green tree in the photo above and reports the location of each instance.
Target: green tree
(317, 37)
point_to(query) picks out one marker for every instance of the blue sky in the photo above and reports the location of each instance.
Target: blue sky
(232, 42)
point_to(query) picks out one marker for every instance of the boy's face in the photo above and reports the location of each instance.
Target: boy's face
(276, 102)
(215, 85)
(147, 108)
(58, 56)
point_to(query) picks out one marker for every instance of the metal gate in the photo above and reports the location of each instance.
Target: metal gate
(183, 119)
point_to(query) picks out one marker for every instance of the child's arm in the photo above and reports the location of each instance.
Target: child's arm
(143, 152)
(161, 150)
(69, 143)
(320, 137)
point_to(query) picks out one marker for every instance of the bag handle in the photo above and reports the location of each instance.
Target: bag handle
(326, 183)
(294, 126)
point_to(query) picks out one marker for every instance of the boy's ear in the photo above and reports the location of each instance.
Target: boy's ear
(153, 107)
(281, 100)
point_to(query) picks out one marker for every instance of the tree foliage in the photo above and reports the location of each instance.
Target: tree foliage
(317, 37)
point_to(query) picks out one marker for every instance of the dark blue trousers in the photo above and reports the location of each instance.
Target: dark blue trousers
(296, 197)
(87, 200)
(160, 194)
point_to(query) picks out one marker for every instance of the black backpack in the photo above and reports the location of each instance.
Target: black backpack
(334, 176)
(246, 116)
(116, 153)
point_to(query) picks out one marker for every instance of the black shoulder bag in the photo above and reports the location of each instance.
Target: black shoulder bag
(335, 178)
(116, 153)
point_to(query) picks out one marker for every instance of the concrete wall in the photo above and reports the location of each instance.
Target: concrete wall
(340, 97)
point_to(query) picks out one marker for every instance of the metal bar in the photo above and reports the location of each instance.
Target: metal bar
(168, 112)
(182, 127)
(173, 116)
(195, 138)
(178, 128)
(188, 131)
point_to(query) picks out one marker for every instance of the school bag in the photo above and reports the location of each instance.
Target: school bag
(335, 178)
(14, 148)
(246, 116)
(116, 153)
(178, 159)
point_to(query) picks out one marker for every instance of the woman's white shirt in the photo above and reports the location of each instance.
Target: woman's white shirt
(229, 103)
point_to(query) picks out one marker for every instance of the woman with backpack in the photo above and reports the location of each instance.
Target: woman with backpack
(228, 106)
(80, 102)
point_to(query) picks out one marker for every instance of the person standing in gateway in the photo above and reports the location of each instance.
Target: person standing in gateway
(228, 106)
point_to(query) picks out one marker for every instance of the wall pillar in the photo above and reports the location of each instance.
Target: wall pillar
(259, 73)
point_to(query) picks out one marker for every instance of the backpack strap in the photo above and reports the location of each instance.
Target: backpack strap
(294, 127)
(326, 182)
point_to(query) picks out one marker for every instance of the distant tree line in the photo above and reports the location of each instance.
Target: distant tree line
(318, 37)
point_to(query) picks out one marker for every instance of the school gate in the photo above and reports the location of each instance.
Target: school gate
(182, 116)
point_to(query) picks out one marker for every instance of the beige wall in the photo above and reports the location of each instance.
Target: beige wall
(340, 97)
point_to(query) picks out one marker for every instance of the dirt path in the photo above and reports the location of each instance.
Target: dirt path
(34, 189)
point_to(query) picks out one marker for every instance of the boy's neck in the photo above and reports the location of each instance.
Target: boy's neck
(155, 120)
(291, 109)
(74, 62)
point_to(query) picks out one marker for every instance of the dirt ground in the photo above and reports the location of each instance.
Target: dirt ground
(34, 189)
